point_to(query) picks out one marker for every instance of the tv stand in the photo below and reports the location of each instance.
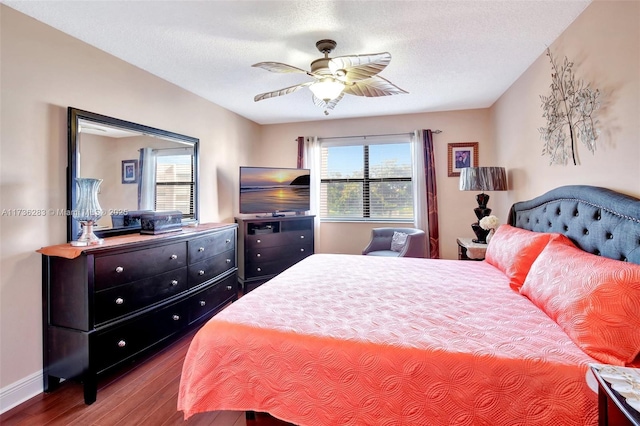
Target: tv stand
(270, 244)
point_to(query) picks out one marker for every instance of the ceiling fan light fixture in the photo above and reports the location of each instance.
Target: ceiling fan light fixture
(327, 88)
(355, 75)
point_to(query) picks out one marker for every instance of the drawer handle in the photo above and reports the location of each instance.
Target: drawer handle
(119, 269)
(173, 257)
(201, 272)
(227, 241)
(258, 241)
(122, 344)
(174, 282)
(259, 269)
(258, 255)
(176, 317)
(301, 249)
(302, 237)
(119, 301)
(228, 260)
(200, 249)
(229, 287)
(202, 303)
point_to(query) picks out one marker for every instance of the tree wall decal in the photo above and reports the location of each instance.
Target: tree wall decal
(571, 106)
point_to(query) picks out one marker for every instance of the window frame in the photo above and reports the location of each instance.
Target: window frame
(366, 180)
(169, 152)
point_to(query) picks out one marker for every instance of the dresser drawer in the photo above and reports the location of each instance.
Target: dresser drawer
(276, 260)
(118, 301)
(204, 303)
(298, 236)
(268, 254)
(210, 245)
(262, 268)
(117, 269)
(207, 269)
(265, 240)
(119, 343)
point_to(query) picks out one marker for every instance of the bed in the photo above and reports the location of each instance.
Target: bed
(359, 340)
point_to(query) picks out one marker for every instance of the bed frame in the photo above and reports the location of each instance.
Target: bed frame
(598, 220)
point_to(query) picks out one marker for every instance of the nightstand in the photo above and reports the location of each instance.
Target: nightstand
(613, 410)
(468, 250)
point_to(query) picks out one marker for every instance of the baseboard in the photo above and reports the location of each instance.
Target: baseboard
(18, 392)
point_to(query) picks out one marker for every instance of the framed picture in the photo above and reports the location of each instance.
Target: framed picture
(461, 155)
(129, 171)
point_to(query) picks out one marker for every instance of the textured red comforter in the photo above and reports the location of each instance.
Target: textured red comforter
(359, 340)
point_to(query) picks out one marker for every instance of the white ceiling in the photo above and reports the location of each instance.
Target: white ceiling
(448, 55)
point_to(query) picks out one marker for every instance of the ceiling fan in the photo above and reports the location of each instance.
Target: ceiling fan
(333, 77)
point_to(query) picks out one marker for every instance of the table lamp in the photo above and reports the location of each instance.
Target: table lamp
(482, 179)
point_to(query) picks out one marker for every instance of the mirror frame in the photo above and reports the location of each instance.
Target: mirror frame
(74, 116)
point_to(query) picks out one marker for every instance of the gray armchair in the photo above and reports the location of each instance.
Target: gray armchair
(380, 244)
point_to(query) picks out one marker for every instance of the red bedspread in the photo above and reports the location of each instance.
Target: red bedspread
(360, 340)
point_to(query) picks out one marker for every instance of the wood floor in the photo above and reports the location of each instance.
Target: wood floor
(145, 395)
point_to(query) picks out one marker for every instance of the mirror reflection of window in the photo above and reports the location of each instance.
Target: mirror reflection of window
(174, 180)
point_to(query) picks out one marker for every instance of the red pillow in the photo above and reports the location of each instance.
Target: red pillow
(513, 250)
(594, 299)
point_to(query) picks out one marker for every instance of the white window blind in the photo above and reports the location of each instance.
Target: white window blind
(174, 182)
(366, 178)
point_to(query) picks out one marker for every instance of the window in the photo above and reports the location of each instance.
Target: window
(369, 180)
(174, 182)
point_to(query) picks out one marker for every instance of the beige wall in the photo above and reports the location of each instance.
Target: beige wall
(101, 158)
(278, 145)
(604, 44)
(43, 72)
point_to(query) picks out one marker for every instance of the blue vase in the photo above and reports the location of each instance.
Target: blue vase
(87, 210)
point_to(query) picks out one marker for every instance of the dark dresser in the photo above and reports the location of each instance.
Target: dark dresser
(106, 305)
(268, 246)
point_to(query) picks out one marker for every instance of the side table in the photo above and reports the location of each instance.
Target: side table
(613, 409)
(468, 250)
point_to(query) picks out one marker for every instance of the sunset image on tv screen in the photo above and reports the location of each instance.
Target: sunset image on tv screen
(265, 190)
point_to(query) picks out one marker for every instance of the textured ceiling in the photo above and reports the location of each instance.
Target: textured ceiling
(448, 55)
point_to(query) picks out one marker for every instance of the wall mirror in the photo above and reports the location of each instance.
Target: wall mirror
(142, 168)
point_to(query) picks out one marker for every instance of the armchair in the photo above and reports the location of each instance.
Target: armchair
(380, 244)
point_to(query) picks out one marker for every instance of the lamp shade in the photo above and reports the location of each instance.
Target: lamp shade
(483, 179)
(327, 89)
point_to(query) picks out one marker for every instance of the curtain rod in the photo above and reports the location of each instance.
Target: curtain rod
(438, 131)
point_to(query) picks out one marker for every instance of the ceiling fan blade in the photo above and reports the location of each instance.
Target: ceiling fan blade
(373, 87)
(281, 92)
(279, 67)
(359, 67)
(330, 105)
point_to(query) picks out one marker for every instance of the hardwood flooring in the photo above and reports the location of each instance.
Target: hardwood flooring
(145, 395)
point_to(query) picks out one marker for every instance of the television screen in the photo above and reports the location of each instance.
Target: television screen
(273, 190)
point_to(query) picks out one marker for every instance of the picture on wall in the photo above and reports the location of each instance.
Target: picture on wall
(461, 155)
(129, 171)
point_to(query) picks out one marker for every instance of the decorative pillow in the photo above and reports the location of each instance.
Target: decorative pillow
(398, 241)
(513, 250)
(595, 300)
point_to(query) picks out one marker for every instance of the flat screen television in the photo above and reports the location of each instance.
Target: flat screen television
(272, 190)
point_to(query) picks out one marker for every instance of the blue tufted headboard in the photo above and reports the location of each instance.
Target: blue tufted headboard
(598, 220)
